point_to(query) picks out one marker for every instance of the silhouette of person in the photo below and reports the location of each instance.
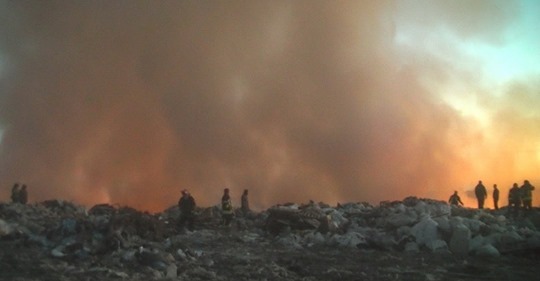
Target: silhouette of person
(245, 203)
(495, 197)
(23, 195)
(226, 208)
(481, 194)
(186, 204)
(15, 193)
(455, 199)
(526, 194)
(514, 199)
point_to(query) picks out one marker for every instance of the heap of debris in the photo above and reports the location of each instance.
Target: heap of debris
(413, 239)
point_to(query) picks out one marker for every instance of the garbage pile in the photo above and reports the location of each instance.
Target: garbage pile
(409, 226)
(59, 240)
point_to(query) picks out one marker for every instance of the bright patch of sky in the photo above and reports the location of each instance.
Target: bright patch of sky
(519, 56)
(515, 57)
(474, 63)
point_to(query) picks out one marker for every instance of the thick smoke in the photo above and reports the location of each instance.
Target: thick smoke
(130, 102)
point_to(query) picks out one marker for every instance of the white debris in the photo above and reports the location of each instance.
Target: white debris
(459, 243)
(437, 245)
(349, 239)
(172, 271)
(487, 251)
(5, 228)
(425, 231)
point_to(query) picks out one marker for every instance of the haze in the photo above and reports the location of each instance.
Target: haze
(129, 102)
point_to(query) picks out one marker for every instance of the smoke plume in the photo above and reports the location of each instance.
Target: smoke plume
(130, 102)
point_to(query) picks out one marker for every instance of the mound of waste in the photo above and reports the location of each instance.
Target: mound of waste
(412, 239)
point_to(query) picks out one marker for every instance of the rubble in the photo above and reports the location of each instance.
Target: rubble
(414, 237)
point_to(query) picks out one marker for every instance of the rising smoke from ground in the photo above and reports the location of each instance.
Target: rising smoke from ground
(130, 102)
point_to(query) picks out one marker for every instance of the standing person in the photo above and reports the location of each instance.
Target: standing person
(226, 208)
(15, 193)
(495, 197)
(186, 204)
(514, 199)
(455, 199)
(245, 203)
(23, 195)
(526, 194)
(481, 194)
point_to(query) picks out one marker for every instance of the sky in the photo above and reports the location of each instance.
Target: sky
(130, 102)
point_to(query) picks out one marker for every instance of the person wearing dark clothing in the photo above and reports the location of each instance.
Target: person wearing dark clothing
(23, 195)
(514, 199)
(226, 208)
(245, 203)
(526, 194)
(186, 205)
(495, 197)
(455, 199)
(15, 192)
(481, 194)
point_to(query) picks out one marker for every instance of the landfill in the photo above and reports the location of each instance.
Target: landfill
(412, 239)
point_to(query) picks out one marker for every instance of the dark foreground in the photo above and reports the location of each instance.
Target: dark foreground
(233, 257)
(136, 247)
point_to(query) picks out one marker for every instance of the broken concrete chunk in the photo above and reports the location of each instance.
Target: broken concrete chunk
(437, 246)
(5, 228)
(350, 239)
(172, 271)
(425, 231)
(411, 247)
(487, 251)
(459, 243)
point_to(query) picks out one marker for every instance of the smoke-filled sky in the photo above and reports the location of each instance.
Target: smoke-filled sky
(129, 102)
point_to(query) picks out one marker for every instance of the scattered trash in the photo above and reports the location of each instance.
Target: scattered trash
(387, 242)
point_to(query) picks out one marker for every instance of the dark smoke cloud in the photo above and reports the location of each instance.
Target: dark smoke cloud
(132, 101)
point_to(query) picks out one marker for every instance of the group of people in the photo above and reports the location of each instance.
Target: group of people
(187, 205)
(521, 196)
(19, 195)
(517, 196)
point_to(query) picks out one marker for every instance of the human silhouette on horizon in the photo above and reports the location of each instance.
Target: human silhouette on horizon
(495, 197)
(455, 199)
(481, 194)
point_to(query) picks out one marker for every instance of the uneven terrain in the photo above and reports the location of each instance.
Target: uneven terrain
(57, 240)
